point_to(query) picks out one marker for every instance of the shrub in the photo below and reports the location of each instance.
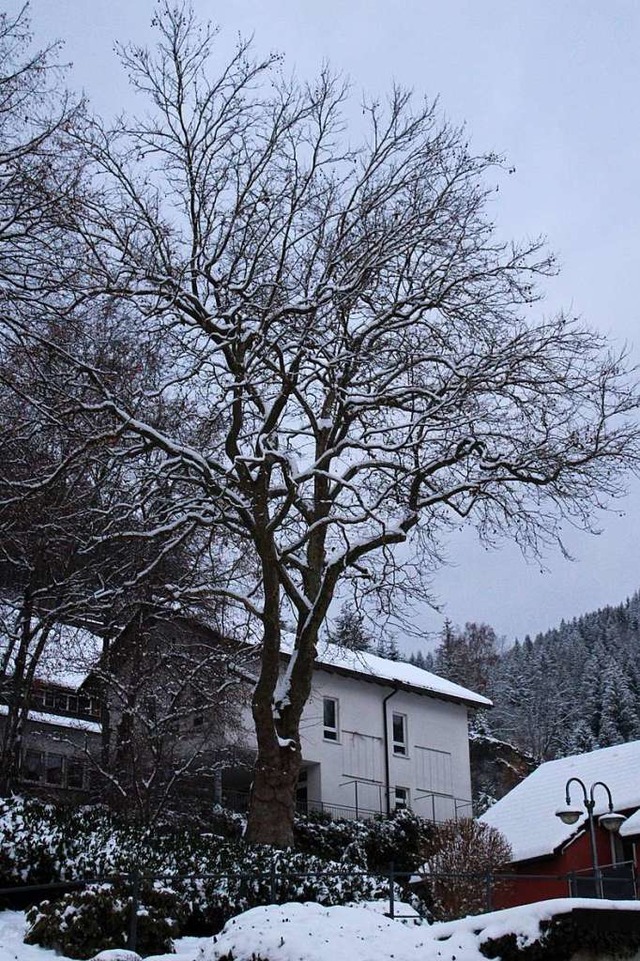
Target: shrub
(247, 877)
(368, 844)
(459, 856)
(83, 923)
(214, 878)
(32, 847)
(226, 823)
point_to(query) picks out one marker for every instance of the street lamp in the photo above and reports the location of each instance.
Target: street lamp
(570, 813)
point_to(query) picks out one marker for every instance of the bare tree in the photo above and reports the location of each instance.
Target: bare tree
(356, 347)
(86, 536)
(174, 715)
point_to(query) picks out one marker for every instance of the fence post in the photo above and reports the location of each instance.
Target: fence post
(392, 899)
(272, 883)
(134, 881)
(488, 891)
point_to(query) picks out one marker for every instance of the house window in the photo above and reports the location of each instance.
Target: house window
(53, 769)
(401, 798)
(48, 768)
(33, 766)
(60, 701)
(399, 728)
(75, 773)
(330, 718)
(89, 706)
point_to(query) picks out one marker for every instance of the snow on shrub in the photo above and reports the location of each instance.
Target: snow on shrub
(83, 923)
(250, 877)
(372, 844)
(215, 878)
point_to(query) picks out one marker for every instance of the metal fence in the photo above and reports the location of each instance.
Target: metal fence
(485, 891)
(239, 802)
(456, 807)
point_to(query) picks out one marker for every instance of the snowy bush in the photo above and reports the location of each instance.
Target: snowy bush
(214, 878)
(33, 842)
(40, 843)
(83, 923)
(226, 823)
(250, 877)
(579, 934)
(372, 845)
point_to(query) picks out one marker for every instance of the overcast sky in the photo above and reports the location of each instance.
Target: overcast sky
(555, 86)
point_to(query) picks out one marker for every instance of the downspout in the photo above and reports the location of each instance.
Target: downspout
(385, 728)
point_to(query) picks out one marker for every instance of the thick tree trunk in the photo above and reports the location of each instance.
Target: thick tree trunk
(273, 799)
(277, 708)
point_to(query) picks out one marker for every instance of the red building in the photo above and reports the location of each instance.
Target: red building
(553, 859)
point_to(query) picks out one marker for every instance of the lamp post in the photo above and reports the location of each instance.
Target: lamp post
(610, 821)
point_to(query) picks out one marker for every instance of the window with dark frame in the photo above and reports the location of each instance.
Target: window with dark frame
(56, 770)
(399, 732)
(75, 773)
(330, 718)
(53, 769)
(401, 799)
(61, 701)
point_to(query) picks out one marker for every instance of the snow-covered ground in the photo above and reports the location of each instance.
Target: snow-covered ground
(310, 932)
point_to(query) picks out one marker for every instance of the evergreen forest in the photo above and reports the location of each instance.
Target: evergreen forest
(572, 689)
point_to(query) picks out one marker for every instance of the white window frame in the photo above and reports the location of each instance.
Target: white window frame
(331, 732)
(403, 804)
(400, 748)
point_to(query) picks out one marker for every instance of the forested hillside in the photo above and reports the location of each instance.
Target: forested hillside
(571, 689)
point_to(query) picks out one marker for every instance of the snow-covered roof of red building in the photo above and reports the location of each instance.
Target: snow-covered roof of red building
(334, 657)
(526, 815)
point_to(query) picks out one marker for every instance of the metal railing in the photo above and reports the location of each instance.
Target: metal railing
(238, 801)
(617, 882)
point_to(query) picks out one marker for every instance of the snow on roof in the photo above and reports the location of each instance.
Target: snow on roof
(384, 671)
(58, 720)
(526, 815)
(69, 654)
(631, 827)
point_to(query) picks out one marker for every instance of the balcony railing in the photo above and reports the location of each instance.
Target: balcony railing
(239, 801)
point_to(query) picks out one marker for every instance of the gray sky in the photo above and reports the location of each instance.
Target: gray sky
(553, 84)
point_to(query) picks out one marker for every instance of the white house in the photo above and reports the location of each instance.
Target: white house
(377, 735)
